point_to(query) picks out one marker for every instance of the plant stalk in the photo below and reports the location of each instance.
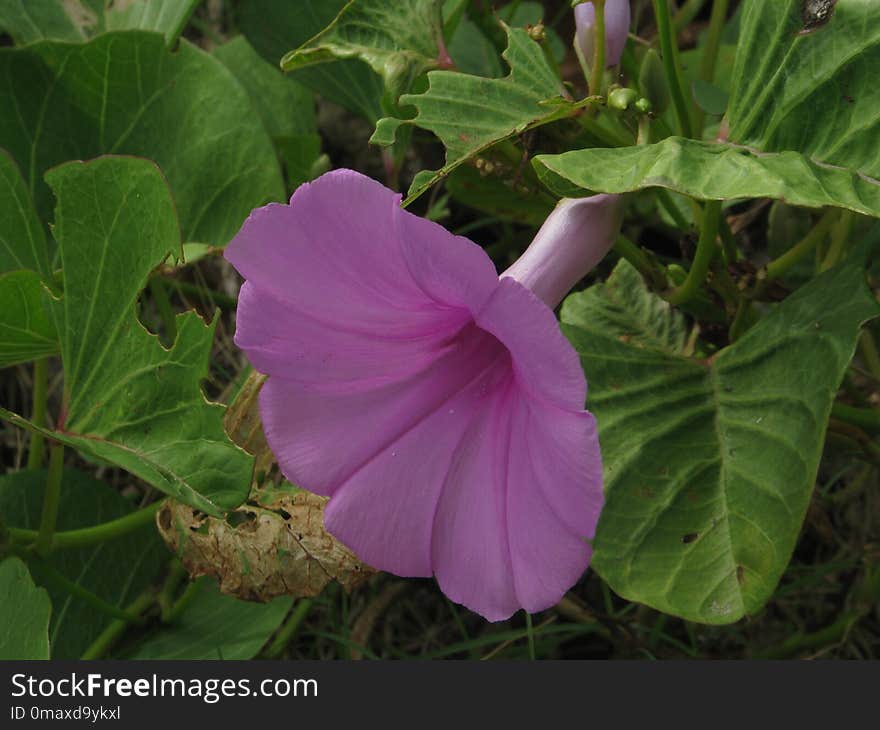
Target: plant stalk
(109, 636)
(51, 499)
(778, 267)
(709, 60)
(38, 416)
(597, 73)
(87, 535)
(705, 250)
(669, 52)
(288, 629)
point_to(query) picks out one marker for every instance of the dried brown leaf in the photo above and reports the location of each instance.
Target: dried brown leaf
(260, 551)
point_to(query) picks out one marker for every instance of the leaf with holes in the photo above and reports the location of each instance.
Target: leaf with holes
(28, 21)
(803, 118)
(126, 93)
(117, 571)
(128, 400)
(399, 41)
(24, 613)
(709, 467)
(471, 113)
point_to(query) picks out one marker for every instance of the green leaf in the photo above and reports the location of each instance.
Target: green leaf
(709, 97)
(817, 92)
(22, 241)
(472, 52)
(27, 331)
(117, 570)
(76, 20)
(24, 614)
(168, 17)
(273, 26)
(399, 41)
(215, 626)
(129, 400)
(26, 328)
(286, 107)
(127, 93)
(302, 158)
(709, 466)
(804, 120)
(35, 20)
(708, 171)
(470, 113)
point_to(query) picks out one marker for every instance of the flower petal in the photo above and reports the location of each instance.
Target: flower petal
(520, 503)
(334, 255)
(554, 500)
(545, 363)
(385, 512)
(284, 342)
(322, 437)
(343, 286)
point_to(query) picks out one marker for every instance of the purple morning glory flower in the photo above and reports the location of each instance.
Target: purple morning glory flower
(617, 20)
(437, 405)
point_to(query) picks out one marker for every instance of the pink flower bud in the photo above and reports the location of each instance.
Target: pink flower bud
(574, 238)
(617, 19)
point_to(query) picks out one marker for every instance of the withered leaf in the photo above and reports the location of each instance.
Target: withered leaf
(266, 548)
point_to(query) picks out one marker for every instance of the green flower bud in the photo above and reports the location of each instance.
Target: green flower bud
(622, 98)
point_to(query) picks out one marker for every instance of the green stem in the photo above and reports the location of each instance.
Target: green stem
(669, 52)
(288, 629)
(51, 499)
(181, 604)
(705, 250)
(728, 242)
(176, 573)
(597, 73)
(86, 535)
(840, 234)
(163, 305)
(633, 254)
(869, 352)
(38, 416)
(778, 267)
(709, 59)
(741, 321)
(530, 633)
(109, 636)
(686, 13)
(713, 40)
(866, 418)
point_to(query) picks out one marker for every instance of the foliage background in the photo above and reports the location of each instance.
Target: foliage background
(228, 132)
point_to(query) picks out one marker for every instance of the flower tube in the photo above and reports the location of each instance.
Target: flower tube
(438, 406)
(617, 20)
